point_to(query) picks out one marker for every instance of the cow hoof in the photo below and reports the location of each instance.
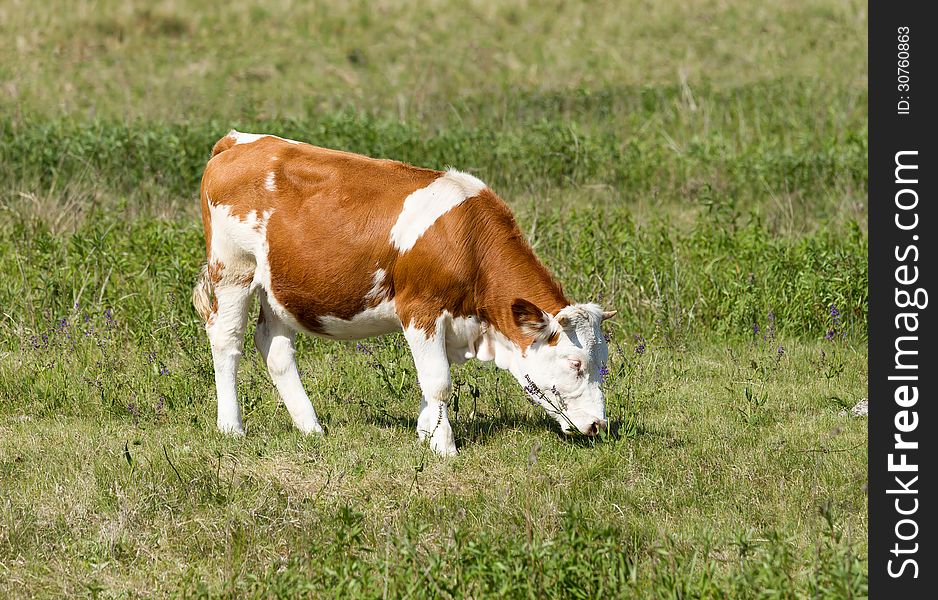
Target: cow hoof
(232, 429)
(311, 429)
(444, 445)
(446, 451)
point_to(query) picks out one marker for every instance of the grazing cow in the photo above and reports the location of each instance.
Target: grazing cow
(347, 247)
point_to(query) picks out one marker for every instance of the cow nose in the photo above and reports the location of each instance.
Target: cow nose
(599, 425)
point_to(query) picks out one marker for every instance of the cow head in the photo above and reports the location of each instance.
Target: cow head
(563, 368)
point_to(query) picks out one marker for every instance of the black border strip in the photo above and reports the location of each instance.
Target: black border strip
(901, 127)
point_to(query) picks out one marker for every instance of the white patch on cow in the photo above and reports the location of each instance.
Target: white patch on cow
(242, 245)
(495, 346)
(269, 182)
(246, 138)
(423, 207)
(237, 242)
(377, 320)
(378, 288)
(463, 335)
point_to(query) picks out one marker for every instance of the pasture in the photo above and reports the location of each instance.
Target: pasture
(699, 166)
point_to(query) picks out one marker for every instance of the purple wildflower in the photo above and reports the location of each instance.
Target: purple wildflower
(835, 324)
(640, 346)
(603, 373)
(781, 351)
(364, 349)
(164, 370)
(132, 409)
(535, 392)
(755, 329)
(770, 328)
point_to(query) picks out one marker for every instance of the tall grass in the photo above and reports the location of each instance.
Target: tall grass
(539, 140)
(717, 278)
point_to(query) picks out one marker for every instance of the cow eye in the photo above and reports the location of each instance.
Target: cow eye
(576, 364)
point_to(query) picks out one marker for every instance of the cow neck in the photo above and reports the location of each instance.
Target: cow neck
(511, 270)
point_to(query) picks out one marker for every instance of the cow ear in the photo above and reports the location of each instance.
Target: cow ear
(530, 319)
(608, 314)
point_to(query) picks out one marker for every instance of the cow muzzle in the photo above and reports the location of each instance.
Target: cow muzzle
(597, 427)
(590, 427)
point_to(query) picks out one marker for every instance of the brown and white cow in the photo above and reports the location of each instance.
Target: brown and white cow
(346, 247)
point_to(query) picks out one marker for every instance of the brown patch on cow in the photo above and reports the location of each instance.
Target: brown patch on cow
(330, 224)
(330, 185)
(216, 269)
(246, 279)
(474, 261)
(329, 231)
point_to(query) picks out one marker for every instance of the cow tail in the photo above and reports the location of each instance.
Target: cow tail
(203, 295)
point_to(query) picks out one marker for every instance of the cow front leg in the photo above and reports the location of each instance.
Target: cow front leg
(429, 351)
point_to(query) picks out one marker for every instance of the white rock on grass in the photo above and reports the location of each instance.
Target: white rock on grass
(861, 408)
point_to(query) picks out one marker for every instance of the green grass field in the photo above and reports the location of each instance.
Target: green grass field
(700, 166)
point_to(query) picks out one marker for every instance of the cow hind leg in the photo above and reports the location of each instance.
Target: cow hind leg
(429, 351)
(226, 335)
(274, 340)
